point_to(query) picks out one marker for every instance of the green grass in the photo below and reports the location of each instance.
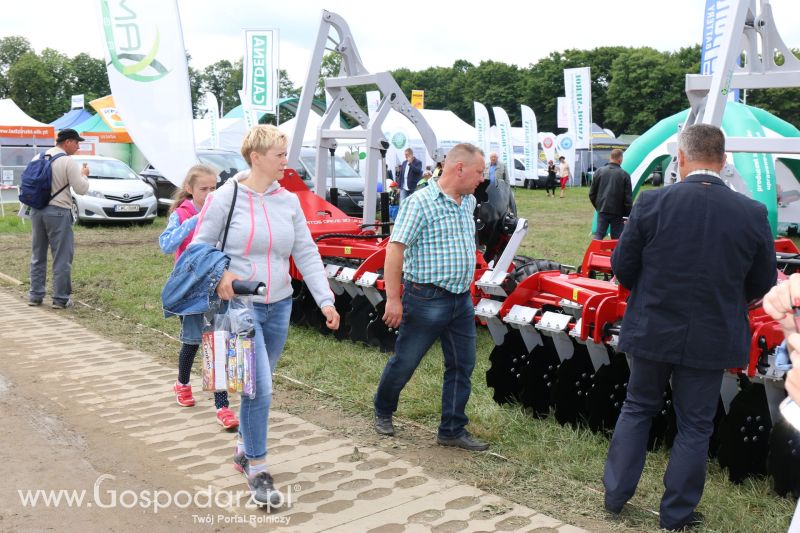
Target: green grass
(553, 469)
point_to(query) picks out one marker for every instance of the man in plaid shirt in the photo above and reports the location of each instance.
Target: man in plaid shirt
(432, 248)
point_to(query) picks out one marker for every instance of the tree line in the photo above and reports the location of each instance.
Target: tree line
(632, 88)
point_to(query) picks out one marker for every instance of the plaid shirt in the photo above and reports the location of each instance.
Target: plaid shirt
(440, 238)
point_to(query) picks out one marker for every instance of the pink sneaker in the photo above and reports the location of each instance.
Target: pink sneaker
(227, 418)
(183, 394)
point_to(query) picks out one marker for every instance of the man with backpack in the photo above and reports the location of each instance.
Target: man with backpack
(51, 222)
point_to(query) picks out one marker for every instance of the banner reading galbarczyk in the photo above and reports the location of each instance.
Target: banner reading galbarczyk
(578, 88)
(260, 79)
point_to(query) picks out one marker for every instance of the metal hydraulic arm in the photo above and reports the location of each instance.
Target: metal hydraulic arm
(353, 74)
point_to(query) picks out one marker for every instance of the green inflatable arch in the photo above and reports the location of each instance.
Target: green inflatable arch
(757, 170)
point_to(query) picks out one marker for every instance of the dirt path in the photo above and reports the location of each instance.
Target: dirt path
(82, 408)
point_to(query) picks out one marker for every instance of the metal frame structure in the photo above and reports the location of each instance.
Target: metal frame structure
(708, 94)
(353, 74)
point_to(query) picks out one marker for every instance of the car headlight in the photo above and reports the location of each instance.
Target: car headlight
(96, 194)
(148, 193)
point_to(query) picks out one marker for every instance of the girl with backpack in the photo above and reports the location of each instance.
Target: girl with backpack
(183, 216)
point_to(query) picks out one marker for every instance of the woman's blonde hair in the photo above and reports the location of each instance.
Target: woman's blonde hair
(260, 139)
(181, 193)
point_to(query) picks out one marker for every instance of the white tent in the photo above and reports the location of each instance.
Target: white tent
(231, 133)
(401, 133)
(18, 129)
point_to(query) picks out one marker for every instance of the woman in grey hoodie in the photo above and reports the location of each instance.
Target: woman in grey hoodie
(267, 226)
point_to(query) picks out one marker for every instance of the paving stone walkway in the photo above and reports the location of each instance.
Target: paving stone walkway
(331, 485)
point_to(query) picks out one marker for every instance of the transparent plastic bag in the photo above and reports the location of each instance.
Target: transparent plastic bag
(229, 349)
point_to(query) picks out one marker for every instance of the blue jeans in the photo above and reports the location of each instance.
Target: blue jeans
(431, 313)
(272, 327)
(51, 228)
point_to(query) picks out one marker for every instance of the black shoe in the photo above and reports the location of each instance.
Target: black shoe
(383, 425)
(34, 303)
(465, 441)
(695, 520)
(263, 490)
(613, 509)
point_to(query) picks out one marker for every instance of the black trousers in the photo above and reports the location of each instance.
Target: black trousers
(695, 393)
(604, 220)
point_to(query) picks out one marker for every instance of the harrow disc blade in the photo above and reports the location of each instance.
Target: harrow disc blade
(505, 357)
(783, 460)
(575, 377)
(744, 434)
(540, 378)
(378, 333)
(607, 393)
(343, 306)
(298, 316)
(312, 313)
(360, 317)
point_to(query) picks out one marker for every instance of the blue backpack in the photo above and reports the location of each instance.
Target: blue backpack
(37, 182)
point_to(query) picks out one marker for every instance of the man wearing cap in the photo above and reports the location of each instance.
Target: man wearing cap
(52, 226)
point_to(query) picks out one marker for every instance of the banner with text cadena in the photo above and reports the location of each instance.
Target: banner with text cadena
(260, 79)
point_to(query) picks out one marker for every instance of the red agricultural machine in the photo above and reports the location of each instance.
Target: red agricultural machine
(555, 328)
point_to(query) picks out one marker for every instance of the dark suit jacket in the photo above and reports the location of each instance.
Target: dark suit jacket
(693, 255)
(414, 174)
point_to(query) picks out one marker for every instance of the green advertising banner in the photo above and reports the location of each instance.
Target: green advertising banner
(260, 79)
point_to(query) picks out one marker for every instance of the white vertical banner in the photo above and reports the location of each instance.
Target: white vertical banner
(562, 116)
(482, 127)
(373, 101)
(248, 114)
(149, 78)
(548, 141)
(260, 79)
(212, 114)
(77, 101)
(530, 145)
(506, 142)
(566, 147)
(578, 89)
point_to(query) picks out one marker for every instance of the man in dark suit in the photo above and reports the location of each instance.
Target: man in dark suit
(693, 255)
(610, 195)
(410, 173)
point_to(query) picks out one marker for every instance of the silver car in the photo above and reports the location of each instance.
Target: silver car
(116, 194)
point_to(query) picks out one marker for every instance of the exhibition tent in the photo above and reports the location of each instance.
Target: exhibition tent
(19, 129)
(70, 119)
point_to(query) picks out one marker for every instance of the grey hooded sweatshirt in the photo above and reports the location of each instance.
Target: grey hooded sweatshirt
(265, 230)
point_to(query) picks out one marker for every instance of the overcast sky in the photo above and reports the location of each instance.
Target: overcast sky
(390, 35)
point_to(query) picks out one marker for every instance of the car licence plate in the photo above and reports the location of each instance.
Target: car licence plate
(126, 208)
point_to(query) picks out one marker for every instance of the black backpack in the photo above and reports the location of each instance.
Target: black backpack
(37, 182)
